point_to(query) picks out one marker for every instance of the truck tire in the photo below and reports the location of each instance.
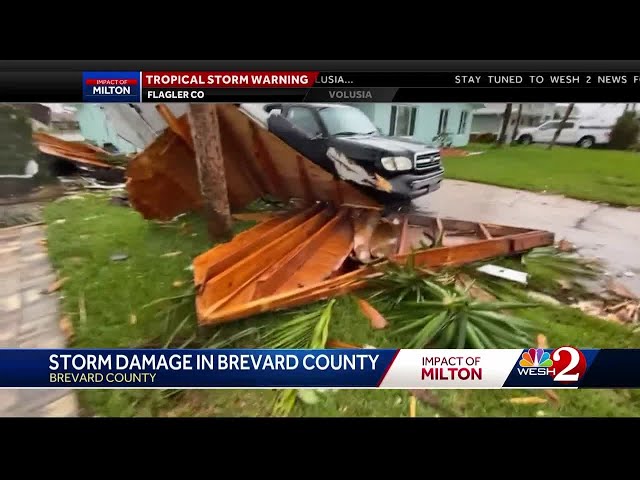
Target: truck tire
(525, 140)
(586, 142)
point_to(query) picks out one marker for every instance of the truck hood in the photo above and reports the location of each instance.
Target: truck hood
(526, 130)
(382, 145)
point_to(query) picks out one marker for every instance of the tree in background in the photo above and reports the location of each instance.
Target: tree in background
(506, 116)
(514, 135)
(625, 132)
(562, 124)
(205, 131)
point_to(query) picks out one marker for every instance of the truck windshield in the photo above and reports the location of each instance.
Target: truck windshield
(346, 121)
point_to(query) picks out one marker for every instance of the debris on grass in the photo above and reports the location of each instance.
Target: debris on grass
(171, 254)
(617, 288)
(118, 257)
(178, 283)
(82, 309)
(542, 341)
(412, 406)
(506, 273)
(133, 319)
(566, 246)
(627, 311)
(376, 320)
(55, 286)
(565, 284)
(67, 327)
(59, 221)
(527, 400)
(553, 396)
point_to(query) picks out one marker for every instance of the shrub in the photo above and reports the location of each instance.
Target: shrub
(625, 132)
(483, 137)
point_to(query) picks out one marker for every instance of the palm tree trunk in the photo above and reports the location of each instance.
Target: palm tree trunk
(506, 116)
(561, 126)
(205, 131)
(514, 135)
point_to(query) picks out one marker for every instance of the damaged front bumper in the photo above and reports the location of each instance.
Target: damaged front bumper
(410, 185)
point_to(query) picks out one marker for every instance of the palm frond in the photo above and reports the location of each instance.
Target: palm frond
(553, 264)
(309, 330)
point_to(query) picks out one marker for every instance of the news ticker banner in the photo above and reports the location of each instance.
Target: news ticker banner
(307, 85)
(563, 367)
(315, 86)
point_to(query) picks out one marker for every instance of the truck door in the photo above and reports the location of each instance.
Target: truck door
(568, 134)
(545, 132)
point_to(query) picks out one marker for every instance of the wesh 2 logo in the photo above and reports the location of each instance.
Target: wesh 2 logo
(564, 364)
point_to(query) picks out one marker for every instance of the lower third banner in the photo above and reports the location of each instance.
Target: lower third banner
(564, 367)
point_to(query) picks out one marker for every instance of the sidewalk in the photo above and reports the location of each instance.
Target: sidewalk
(29, 318)
(611, 234)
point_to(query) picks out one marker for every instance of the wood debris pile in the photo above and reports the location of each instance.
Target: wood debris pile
(333, 243)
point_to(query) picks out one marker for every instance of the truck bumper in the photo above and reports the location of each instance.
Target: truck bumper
(413, 186)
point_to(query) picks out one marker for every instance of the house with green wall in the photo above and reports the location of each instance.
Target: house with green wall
(127, 127)
(423, 121)
(130, 127)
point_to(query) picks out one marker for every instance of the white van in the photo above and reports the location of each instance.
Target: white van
(575, 132)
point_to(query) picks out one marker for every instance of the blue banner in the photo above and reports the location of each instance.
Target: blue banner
(192, 368)
(102, 87)
(562, 367)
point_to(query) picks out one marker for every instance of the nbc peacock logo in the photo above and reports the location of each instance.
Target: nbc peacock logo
(536, 361)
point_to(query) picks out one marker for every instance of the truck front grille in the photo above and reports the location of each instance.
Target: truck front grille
(427, 162)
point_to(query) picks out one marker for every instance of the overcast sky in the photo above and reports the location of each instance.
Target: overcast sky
(608, 111)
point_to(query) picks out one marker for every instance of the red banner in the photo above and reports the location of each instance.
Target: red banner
(228, 79)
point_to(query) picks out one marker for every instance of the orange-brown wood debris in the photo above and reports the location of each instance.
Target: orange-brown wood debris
(162, 180)
(312, 256)
(77, 152)
(333, 241)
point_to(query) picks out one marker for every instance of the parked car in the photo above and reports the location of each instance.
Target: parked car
(342, 140)
(575, 132)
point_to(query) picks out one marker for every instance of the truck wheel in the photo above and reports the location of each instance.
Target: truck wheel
(525, 140)
(586, 142)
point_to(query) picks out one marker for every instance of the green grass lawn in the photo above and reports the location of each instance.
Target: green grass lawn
(106, 299)
(595, 174)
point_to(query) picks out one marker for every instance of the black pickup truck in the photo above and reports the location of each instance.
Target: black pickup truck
(341, 139)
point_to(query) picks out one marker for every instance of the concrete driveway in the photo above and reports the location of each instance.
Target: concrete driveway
(611, 234)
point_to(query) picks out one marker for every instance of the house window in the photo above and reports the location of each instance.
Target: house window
(462, 126)
(403, 120)
(444, 119)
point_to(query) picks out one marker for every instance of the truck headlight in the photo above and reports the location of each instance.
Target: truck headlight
(397, 164)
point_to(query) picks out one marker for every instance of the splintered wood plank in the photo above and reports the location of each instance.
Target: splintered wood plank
(175, 125)
(222, 256)
(529, 240)
(257, 216)
(403, 244)
(479, 250)
(281, 271)
(364, 224)
(385, 238)
(439, 232)
(484, 232)
(334, 286)
(326, 260)
(501, 230)
(220, 288)
(249, 290)
(304, 180)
